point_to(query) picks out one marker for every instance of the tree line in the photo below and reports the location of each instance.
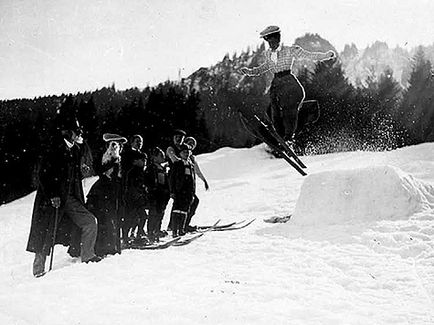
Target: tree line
(379, 116)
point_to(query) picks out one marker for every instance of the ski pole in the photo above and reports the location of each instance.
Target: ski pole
(56, 221)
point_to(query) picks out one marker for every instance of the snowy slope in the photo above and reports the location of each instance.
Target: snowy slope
(374, 267)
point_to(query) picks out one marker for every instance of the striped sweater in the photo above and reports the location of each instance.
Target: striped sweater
(285, 59)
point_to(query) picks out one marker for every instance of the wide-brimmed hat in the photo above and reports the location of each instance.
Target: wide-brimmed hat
(108, 137)
(269, 30)
(179, 132)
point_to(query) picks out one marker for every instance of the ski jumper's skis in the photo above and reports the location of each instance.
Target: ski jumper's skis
(267, 133)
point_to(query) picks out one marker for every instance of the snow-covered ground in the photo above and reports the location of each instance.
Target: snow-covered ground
(359, 249)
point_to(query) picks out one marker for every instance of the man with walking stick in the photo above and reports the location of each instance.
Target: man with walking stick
(59, 204)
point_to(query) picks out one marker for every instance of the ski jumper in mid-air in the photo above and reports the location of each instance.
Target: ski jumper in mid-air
(286, 92)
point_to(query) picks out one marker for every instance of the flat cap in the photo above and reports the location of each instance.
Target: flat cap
(108, 137)
(269, 30)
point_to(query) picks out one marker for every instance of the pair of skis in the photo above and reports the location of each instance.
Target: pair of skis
(189, 238)
(227, 227)
(264, 130)
(176, 241)
(200, 231)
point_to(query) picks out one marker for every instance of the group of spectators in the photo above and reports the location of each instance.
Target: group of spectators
(134, 188)
(124, 207)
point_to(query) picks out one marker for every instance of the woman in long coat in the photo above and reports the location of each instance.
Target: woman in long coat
(103, 199)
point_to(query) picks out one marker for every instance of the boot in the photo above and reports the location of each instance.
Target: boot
(94, 259)
(290, 144)
(182, 220)
(153, 238)
(178, 223)
(162, 233)
(174, 225)
(39, 264)
(190, 228)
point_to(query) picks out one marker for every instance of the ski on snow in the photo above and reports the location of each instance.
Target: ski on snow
(226, 227)
(157, 245)
(187, 239)
(177, 241)
(202, 228)
(237, 226)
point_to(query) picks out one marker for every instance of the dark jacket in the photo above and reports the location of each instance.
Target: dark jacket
(103, 201)
(133, 176)
(128, 157)
(156, 179)
(183, 179)
(59, 174)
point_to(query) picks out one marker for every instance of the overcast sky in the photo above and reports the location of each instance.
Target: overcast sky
(54, 46)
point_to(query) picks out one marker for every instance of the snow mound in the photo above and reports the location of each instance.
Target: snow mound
(364, 194)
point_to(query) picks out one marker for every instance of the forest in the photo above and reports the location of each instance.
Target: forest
(379, 113)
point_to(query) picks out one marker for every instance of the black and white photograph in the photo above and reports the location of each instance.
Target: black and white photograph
(216, 162)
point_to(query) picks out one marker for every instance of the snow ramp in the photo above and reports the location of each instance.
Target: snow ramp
(365, 194)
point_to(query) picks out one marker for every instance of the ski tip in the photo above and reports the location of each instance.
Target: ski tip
(239, 226)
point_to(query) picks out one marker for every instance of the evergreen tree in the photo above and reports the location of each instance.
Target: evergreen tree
(417, 105)
(380, 99)
(335, 128)
(389, 91)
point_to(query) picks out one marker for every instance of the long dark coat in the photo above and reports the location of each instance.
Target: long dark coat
(104, 201)
(134, 189)
(59, 171)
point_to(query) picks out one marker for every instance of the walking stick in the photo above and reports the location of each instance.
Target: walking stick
(56, 221)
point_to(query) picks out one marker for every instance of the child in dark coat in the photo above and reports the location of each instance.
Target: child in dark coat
(183, 188)
(158, 192)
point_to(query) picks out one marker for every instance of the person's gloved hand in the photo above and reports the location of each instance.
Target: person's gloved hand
(331, 54)
(245, 71)
(55, 202)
